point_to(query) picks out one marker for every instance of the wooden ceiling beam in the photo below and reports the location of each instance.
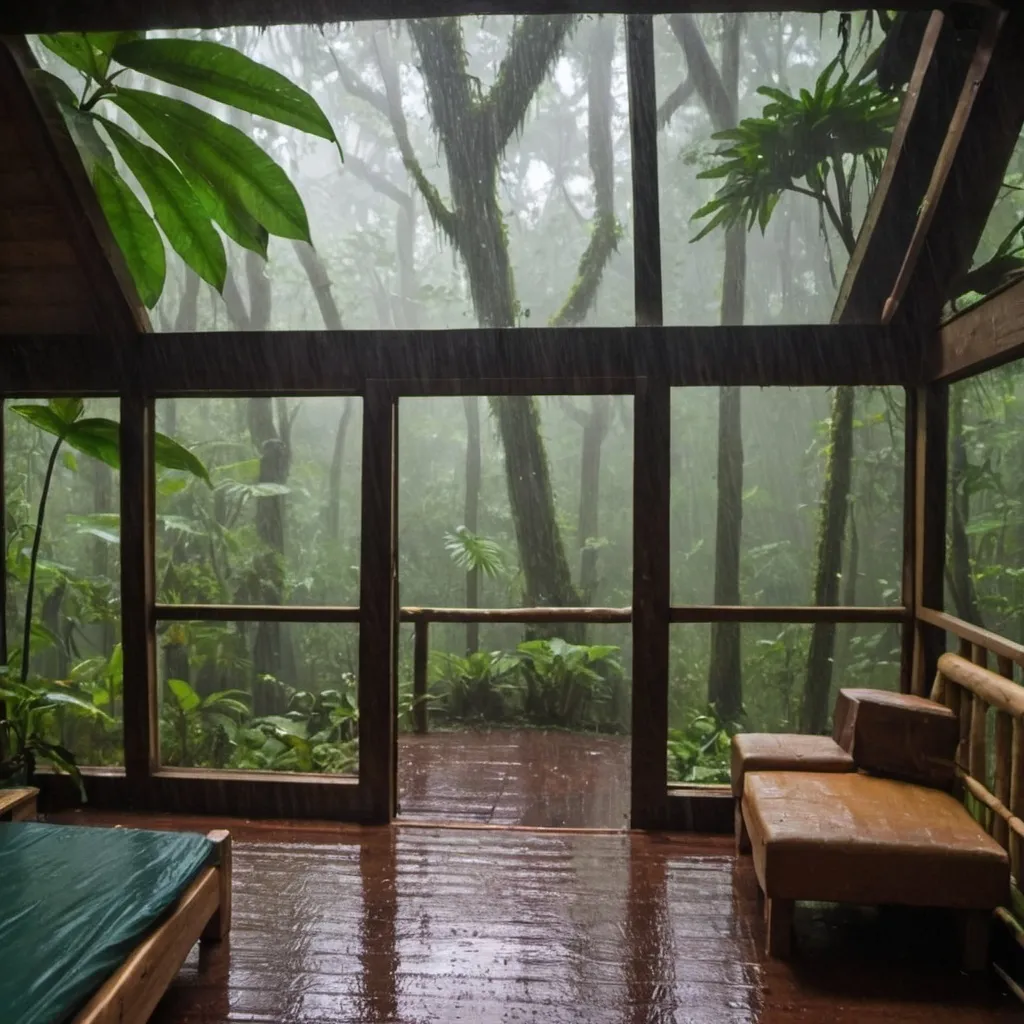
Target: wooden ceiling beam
(981, 338)
(123, 15)
(968, 175)
(932, 94)
(482, 361)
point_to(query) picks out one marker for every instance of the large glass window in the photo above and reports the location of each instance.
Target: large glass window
(780, 77)
(765, 480)
(278, 521)
(985, 516)
(504, 203)
(777, 690)
(62, 524)
(259, 696)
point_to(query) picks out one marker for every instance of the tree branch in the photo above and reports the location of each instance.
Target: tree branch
(376, 180)
(443, 218)
(605, 235)
(677, 98)
(702, 71)
(536, 43)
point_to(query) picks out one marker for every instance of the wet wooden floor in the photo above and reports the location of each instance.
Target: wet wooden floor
(515, 777)
(413, 924)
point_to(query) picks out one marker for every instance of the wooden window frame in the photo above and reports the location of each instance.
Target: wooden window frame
(646, 360)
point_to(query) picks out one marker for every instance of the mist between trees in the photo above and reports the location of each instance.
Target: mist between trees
(487, 181)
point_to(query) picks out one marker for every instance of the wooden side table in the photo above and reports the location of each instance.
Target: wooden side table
(18, 804)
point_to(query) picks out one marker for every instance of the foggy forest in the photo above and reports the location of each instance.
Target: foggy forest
(482, 176)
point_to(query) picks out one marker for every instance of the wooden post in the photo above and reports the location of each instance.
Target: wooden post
(377, 604)
(1003, 767)
(219, 925)
(651, 470)
(932, 408)
(977, 758)
(421, 653)
(138, 597)
(643, 124)
(1017, 798)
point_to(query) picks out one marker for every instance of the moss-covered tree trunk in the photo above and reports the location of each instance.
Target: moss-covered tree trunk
(832, 529)
(719, 92)
(473, 133)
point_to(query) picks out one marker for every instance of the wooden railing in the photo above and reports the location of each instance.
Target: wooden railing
(971, 691)
(421, 618)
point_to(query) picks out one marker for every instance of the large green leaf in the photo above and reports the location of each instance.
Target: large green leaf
(223, 74)
(42, 416)
(134, 231)
(75, 49)
(184, 220)
(172, 455)
(237, 170)
(68, 409)
(97, 437)
(187, 698)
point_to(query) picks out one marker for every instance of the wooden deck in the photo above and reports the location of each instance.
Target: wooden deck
(515, 777)
(414, 924)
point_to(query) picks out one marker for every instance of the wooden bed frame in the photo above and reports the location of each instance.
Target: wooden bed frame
(203, 913)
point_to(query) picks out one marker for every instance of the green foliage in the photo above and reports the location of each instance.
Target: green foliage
(470, 552)
(801, 144)
(481, 687)
(208, 173)
(30, 709)
(699, 752)
(568, 684)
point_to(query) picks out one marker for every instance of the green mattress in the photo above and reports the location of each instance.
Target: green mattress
(74, 902)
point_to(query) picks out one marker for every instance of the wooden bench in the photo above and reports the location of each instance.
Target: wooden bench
(789, 752)
(854, 838)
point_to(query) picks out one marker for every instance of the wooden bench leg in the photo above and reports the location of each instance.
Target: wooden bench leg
(742, 836)
(219, 925)
(779, 920)
(975, 925)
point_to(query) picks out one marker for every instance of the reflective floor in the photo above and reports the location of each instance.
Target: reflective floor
(414, 924)
(515, 777)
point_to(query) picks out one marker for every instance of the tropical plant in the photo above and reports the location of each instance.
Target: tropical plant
(64, 419)
(205, 172)
(193, 719)
(28, 715)
(472, 552)
(482, 686)
(811, 145)
(568, 684)
(699, 753)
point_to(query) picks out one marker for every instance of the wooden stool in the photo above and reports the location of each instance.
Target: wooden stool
(853, 838)
(790, 752)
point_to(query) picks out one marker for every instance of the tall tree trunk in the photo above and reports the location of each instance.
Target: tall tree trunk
(959, 576)
(332, 511)
(471, 516)
(719, 93)
(595, 431)
(473, 135)
(832, 529)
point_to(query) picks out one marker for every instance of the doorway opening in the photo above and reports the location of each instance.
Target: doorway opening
(515, 550)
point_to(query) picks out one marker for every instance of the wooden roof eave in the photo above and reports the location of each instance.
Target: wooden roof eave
(123, 15)
(118, 310)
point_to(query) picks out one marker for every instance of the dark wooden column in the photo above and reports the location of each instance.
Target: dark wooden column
(932, 440)
(378, 605)
(138, 596)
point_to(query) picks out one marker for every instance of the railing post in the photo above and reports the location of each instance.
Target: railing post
(421, 652)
